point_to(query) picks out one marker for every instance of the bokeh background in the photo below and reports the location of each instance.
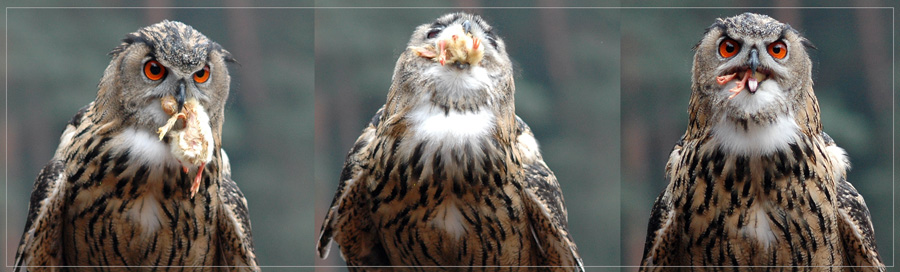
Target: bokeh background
(56, 59)
(852, 74)
(567, 90)
(605, 91)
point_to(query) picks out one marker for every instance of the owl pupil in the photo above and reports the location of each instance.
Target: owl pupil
(776, 49)
(201, 73)
(154, 69)
(729, 47)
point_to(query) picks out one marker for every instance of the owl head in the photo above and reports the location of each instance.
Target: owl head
(456, 62)
(165, 59)
(751, 64)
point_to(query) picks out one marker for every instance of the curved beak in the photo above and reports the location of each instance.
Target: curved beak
(467, 26)
(179, 96)
(754, 59)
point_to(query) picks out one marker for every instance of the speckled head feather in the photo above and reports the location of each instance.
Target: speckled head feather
(174, 42)
(752, 24)
(742, 25)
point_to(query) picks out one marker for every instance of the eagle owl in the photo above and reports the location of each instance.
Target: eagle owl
(446, 174)
(755, 181)
(139, 177)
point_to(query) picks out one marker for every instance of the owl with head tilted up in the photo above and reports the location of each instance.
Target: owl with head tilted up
(446, 175)
(754, 181)
(139, 177)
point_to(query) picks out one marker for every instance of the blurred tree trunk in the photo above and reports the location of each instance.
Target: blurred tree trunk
(554, 34)
(244, 46)
(155, 15)
(470, 3)
(322, 146)
(788, 15)
(345, 110)
(872, 39)
(636, 142)
(243, 28)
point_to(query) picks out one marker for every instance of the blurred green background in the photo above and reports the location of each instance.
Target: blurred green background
(852, 80)
(567, 90)
(605, 91)
(56, 59)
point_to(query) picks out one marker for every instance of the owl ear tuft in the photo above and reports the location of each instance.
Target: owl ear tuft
(130, 39)
(808, 44)
(225, 54)
(116, 51)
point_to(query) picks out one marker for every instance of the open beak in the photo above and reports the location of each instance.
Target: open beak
(749, 78)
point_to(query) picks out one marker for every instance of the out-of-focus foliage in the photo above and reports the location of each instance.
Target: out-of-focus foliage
(607, 142)
(567, 90)
(852, 75)
(56, 59)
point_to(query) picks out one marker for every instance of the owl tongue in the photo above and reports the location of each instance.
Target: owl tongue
(752, 84)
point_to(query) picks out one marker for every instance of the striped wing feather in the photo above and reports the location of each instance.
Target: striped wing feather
(40, 244)
(235, 236)
(347, 219)
(545, 205)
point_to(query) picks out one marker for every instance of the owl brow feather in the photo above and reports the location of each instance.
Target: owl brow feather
(130, 39)
(438, 25)
(717, 25)
(806, 43)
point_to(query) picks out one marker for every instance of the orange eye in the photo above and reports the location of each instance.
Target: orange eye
(728, 48)
(202, 75)
(154, 70)
(778, 49)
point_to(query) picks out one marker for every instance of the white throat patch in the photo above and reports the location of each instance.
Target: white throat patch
(452, 128)
(145, 148)
(755, 140)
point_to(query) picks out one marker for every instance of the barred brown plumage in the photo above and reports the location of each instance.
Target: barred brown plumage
(755, 182)
(446, 175)
(113, 197)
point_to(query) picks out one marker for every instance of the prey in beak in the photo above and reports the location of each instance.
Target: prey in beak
(456, 45)
(750, 78)
(192, 143)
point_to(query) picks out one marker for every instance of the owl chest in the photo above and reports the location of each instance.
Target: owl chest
(436, 224)
(771, 210)
(120, 212)
(448, 205)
